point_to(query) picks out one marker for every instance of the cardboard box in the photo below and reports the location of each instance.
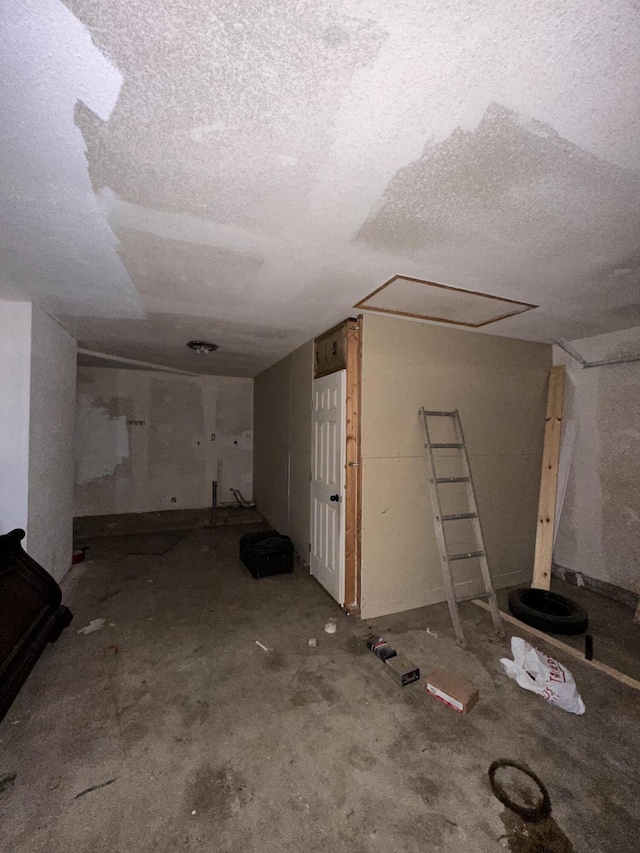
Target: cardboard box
(453, 690)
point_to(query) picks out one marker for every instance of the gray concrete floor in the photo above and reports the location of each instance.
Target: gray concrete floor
(209, 743)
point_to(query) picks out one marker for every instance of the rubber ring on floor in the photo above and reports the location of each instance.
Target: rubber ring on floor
(542, 809)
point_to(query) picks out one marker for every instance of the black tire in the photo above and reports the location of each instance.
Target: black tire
(540, 810)
(548, 611)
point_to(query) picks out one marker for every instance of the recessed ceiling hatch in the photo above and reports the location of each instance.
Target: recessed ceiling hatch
(426, 300)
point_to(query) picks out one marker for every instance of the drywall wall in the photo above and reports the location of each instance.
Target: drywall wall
(15, 372)
(147, 440)
(282, 427)
(51, 423)
(499, 387)
(599, 531)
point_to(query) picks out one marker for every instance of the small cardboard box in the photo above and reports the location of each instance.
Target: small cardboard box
(453, 690)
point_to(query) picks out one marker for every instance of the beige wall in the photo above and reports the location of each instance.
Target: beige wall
(124, 468)
(282, 445)
(599, 532)
(499, 386)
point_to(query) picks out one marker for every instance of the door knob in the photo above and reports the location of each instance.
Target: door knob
(335, 497)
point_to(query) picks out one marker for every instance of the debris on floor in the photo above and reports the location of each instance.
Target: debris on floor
(95, 788)
(313, 643)
(543, 675)
(264, 648)
(94, 625)
(527, 815)
(7, 780)
(402, 670)
(399, 666)
(381, 648)
(331, 627)
(453, 690)
(78, 555)
(588, 647)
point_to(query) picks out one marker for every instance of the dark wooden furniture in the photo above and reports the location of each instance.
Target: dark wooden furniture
(31, 615)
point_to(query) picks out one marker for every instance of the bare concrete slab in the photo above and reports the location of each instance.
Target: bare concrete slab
(172, 729)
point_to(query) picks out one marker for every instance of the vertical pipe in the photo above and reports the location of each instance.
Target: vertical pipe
(214, 502)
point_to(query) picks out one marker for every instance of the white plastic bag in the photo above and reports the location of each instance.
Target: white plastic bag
(542, 675)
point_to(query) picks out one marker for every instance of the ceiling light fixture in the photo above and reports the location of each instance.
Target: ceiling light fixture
(202, 346)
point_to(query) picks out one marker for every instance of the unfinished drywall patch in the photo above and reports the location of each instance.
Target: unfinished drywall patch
(102, 441)
(278, 73)
(56, 245)
(505, 189)
(599, 531)
(176, 440)
(272, 130)
(159, 440)
(165, 271)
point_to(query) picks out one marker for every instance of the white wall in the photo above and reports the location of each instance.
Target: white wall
(15, 370)
(282, 424)
(37, 395)
(125, 468)
(53, 390)
(599, 532)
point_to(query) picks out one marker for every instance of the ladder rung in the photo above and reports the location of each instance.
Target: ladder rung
(438, 414)
(452, 479)
(440, 446)
(466, 556)
(459, 515)
(481, 595)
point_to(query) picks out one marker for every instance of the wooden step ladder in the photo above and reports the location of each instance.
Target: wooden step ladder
(469, 512)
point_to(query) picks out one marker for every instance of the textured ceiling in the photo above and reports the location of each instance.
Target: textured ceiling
(245, 171)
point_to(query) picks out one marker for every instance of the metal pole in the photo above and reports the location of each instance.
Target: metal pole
(624, 359)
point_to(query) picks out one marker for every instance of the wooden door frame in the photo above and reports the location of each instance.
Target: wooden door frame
(353, 473)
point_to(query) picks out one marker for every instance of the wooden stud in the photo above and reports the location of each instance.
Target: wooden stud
(549, 480)
(360, 472)
(558, 644)
(352, 479)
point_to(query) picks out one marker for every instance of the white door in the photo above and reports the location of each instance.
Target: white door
(327, 482)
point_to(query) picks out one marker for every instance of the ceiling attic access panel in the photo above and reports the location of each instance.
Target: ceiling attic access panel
(426, 300)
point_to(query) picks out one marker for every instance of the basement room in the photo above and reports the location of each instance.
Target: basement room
(319, 426)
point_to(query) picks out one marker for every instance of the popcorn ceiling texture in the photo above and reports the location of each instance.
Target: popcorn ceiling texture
(246, 171)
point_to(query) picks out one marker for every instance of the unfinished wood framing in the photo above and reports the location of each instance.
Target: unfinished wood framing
(519, 307)
(352, 474)
(549, 480)
(330, 350)
(339, 349)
